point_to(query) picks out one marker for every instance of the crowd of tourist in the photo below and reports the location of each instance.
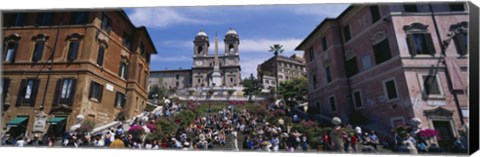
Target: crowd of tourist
(230, 129)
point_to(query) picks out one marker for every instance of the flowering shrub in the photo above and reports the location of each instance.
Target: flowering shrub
(136, 130)
(428, 133)
(86, 127)
(152, 127)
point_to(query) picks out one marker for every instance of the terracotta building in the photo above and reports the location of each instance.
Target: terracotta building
(393, 64)
(60, 64)
(285, 68)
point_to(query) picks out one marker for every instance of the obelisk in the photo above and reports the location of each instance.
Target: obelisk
(216, 76)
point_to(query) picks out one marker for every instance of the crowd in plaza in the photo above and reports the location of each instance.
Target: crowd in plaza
(232, 129)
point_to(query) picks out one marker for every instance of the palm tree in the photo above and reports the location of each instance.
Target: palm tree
(276, 49)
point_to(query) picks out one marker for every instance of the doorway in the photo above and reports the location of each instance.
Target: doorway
(445, 136)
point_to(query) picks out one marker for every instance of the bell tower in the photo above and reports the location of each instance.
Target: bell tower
(201, 44)
(231, 42)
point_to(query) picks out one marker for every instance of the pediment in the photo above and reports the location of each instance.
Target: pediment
(438, 111)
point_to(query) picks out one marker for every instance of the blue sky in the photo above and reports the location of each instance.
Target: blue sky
(173, 29)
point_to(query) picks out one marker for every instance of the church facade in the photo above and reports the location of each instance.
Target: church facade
(208, 70)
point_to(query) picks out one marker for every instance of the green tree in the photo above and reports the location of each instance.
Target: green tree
(294, 89)
(156, 92)
(251, 87)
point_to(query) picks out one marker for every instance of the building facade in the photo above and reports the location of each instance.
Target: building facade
(204, 65)
(171, 79)
(285, 68)
(393, 64)
(62, 64)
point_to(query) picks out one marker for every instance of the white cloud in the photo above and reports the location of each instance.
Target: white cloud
(328, 10)
(162, 17)
(263, 45)
(158, 58)
(249, 66)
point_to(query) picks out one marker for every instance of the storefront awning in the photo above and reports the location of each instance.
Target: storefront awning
(55, 120)
(14, 122)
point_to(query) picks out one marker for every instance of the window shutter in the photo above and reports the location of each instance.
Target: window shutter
(116, 99)
(429, 42)
(124, 100)
(21, 92)
(72, 54)
(37, 54)
(411, 45)
(101, 51)
(34, 92)
(459, 43)
(72, 92)
(6, 83)
(100, 92)
(58, 89)
(15, 47)
(120, 69)
(90, 94)
(126, 72)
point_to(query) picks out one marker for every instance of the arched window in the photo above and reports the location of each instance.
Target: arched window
(10, 47)
(419, 40)
(231, 48)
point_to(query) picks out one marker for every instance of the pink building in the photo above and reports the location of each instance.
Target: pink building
(390, 63)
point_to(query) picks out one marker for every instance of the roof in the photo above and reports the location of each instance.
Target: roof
(173, 70)
(141, 28)
(299, 47)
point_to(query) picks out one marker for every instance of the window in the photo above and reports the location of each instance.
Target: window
(314, 80)
(410, 8)
(106, 24)
(126, 41)
(311, 54)
(431, 85)
(177, 84)
(357, 97)
(123, 70)
(10, 51)
(136, 105)
(145, 78)
(18, 19)
(328, 72)
(120, 100)
(381, 51)
(44, 19)
(333, 105)
(38, 51)
(420, 43)
(352, 68)
(140, 69)
(4, 90)
(73, 50)
(78, 18)
(461, 42)
(64, 91)
(457, 7)
(231, 79)
(200, 49)
(231, 48)
(28, 91)
(96, 91)
(177, 76)
(101, 53)
(324, 43)
(142, 49)
(391, 89)
(375, 13)
(198, 80)
(346, 33)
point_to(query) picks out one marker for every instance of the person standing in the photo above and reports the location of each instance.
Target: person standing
(374, 139)
(117, 143)
(275, 143)
(235, 140)
(353, 142)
